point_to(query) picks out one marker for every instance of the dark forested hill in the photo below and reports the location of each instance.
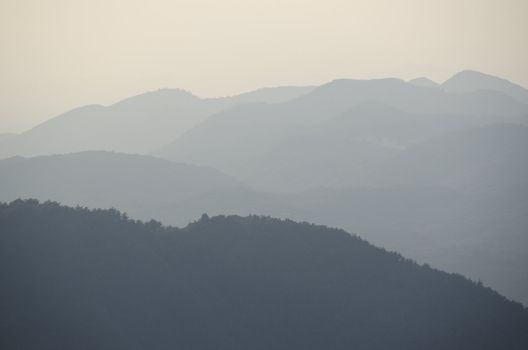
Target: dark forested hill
(80, 279)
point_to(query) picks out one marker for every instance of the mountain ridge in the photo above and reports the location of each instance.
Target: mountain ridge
(470, 80)
(137, 124)
(212, 285)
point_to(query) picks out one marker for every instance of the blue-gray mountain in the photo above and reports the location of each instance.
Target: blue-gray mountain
(138, 124)
(468, 81)
(376, 116)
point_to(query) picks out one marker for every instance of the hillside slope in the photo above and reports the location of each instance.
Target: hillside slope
(470, 81)
(133, 183)
(232, 139)
(74, 278)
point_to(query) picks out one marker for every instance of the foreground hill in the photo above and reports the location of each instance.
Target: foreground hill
(481, 236)
(80, 279)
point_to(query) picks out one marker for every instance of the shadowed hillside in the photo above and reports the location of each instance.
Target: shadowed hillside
(74, 278)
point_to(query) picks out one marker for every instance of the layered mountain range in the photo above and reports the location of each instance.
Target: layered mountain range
(437, 172)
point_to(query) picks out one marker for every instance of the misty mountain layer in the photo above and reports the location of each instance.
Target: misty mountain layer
(106, 179)
(339, 127)
(138, 124)
(437, 172)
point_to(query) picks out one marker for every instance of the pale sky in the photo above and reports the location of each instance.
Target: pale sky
(60, 54)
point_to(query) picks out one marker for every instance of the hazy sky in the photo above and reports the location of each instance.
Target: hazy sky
(59, 54)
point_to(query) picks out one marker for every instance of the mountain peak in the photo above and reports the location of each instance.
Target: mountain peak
(470, 81)
(157, 96)
(467, 75)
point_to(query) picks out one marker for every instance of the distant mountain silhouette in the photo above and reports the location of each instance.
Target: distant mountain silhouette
(424, 82)
(147, 122)
(338, 152)
(73, 278)
(374, 116)
(102, 179)
(145, 187)
(489, 158)
(340, 95)
(138, 124)
(471, 81)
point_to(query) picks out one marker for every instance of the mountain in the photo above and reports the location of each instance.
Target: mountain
(338, 152)
(424, 82)
(340, 95)
(138, 124)
(133, 183)
(471, 81)
(490, 158)
(481, 236)
(232, 139)
(75, 278)
(338, 129)
(422, 184)
(147, 122)
(456, 199)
